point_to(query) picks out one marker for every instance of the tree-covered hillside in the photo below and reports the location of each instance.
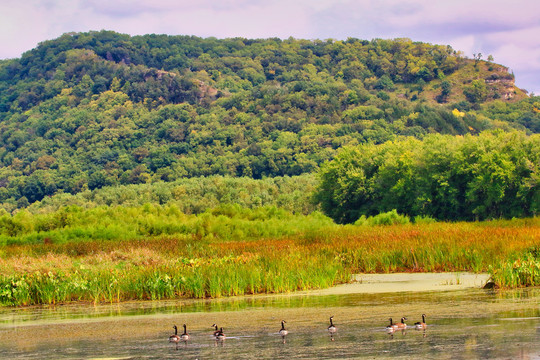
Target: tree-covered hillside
(89, 110)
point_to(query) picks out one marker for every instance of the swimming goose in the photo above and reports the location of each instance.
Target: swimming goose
(220, 335)
(332, 329)
(185, 335)
(174, 338)
(216, 332)
(392, 327)
(401, 325)
(283, 331)
(421, 325)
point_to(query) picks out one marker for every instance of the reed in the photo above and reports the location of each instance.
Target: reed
(523, 270)
(273, 251)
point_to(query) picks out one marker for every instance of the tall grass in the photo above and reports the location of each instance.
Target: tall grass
(161, 253)
(521, 271)
(216, 278)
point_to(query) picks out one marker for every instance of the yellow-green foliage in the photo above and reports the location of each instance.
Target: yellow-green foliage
(233, 251)
(195, 195)
(227, 222)
(388, 218)
(524, 270)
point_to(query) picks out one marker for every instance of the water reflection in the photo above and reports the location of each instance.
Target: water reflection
(15, 316)
(468, 324)
(219, 341)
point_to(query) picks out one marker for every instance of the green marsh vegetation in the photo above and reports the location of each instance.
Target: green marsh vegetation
(170, 240)
(520, 270)
(157, 252)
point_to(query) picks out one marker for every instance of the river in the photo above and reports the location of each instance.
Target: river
(464, 322)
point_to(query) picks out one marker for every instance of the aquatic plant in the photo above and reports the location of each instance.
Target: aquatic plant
(519, 272)
(308, 252)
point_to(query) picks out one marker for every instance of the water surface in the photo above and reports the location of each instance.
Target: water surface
(462, 324)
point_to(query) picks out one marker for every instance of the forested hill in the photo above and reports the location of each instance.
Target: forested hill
(88, 110)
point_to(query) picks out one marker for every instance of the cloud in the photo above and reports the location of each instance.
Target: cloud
(22, 26)
(508, 30)
(520, 50)
(124, 8)
(204, 18)
(440, 19)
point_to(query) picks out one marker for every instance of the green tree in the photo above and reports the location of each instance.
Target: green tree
(449, 178)
(476, 92)
(446, 89)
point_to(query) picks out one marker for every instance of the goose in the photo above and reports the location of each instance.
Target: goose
(392, 327)
(220, 335)
(185, 335)
(421, 325)
(216, 332)
(174, 338)
(332, 329)
(401, 325)
(283, 331)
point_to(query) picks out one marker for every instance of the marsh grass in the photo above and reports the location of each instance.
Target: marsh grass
(161, 253)
(523, 270)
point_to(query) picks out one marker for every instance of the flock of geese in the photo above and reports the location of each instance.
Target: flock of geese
(332, 329)
(391, 328)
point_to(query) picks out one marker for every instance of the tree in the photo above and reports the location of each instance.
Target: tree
(385, 83)
(476, 92)
(446, 88)
(84, 87)
(477, 58)
(491, 175)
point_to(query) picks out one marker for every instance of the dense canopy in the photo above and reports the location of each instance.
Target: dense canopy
(481, 177)
(90, 110)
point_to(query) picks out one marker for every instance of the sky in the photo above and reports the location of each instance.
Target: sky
(507, 30)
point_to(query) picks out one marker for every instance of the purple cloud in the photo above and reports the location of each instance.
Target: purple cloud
(507, 30)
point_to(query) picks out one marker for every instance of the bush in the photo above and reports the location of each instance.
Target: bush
(424, 219)
(388, 218)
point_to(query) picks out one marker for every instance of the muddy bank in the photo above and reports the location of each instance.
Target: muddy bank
(387, 283)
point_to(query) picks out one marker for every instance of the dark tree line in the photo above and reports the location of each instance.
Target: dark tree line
(492, 175)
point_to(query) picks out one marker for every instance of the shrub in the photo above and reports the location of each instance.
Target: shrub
(387, 218)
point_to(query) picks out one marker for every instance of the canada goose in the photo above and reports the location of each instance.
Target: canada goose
(216, 332)
(332, 329)
(220, 335)
(174, 338)
(283, 331)
(185, 335)
(401, 325)
(392, 327)
(421, 325)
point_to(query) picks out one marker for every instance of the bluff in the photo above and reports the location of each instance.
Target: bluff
(88, 110)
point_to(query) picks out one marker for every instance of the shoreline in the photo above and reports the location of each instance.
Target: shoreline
(405, 282)
(361, 284)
